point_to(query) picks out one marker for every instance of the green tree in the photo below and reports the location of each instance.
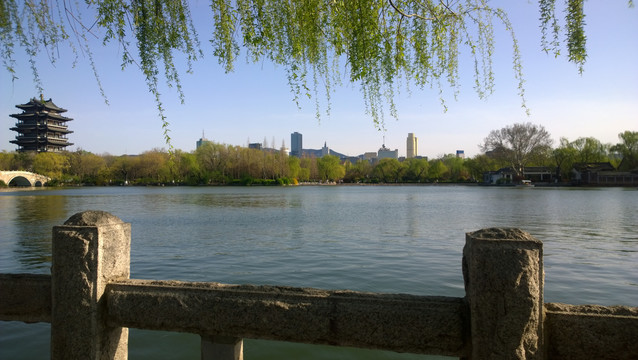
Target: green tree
(15, 161)
(186, 168)
(213, 160)
(456, 168)
(388, 170)
(308, 170)
(628, 148)
(153, 166)
(378, 41)
(517, 144)
(86, 167)
(360, 171)
(123, 169)
(479, 165)
(417, 169)
(6, 160)
(438, 170)
(564, 158)
(50, 164)
(589, 150)
(294, 167)
(330, 168)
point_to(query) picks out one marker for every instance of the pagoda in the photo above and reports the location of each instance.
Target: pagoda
(41, 127)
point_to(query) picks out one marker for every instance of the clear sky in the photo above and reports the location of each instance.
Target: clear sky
(255, 103)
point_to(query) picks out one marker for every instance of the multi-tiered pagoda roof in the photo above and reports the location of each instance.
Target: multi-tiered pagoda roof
(41, 127)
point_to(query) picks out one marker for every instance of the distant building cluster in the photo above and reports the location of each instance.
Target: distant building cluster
(296, 140)
(42, 127)
(297, 149)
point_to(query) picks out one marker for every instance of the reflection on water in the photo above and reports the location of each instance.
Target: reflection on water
(405, 239)
(29, 220)
(235, 200)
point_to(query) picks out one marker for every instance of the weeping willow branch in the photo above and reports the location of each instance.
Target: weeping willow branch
(381, 44)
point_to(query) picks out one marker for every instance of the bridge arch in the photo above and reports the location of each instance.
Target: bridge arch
(20, 181)
(23, 178)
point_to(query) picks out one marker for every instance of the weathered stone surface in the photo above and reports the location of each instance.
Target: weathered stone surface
(503, 272)
(92, 218)
(404, 323)
(91, 249)
(222, 348)
(591, 332)
(25, 297)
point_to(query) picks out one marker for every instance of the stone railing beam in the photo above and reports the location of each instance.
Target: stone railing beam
(25, 297)
(404, 323)
(90, 302)
(591, 332)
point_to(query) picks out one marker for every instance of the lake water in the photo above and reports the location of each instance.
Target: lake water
(393, 239)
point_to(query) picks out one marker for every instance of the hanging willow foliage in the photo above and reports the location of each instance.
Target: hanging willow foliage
(379, 43)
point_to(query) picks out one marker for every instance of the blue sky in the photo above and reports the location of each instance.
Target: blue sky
(255, 103)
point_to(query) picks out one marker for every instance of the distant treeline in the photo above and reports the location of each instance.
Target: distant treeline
(215, 163)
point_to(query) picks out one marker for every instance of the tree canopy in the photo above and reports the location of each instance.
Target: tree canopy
(518, 144)
(214, 163)
(378, 44)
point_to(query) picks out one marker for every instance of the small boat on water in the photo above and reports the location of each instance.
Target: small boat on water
(525, 184)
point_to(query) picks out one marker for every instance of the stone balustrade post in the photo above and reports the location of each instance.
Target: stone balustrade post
(89, 250)
(503, 272)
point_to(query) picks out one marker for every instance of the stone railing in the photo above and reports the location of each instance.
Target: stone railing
(91, 302)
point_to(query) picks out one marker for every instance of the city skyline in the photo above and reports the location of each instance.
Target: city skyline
(255, 102)
(297, 149)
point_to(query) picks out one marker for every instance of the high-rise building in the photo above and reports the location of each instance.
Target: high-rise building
(41, 127)
(296, 144)
(325, 150)
(201, 141)
(412, 148)
(384, 153)
(460, 154)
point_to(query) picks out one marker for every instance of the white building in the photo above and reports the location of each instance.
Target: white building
(412, 146)
(384, 152)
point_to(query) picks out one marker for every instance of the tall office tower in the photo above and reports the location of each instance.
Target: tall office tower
(201, 141)
(412, 146)
(296, 144)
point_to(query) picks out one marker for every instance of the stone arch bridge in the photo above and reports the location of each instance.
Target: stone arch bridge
(23, 178)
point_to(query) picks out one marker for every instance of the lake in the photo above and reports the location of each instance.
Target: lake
(392, 239)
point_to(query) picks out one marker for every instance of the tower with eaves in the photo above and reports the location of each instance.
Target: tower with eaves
(41, 127)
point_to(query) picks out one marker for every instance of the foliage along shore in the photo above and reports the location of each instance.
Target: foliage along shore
(220, 164)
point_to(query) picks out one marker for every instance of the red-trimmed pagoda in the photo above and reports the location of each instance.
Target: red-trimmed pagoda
(40, 127)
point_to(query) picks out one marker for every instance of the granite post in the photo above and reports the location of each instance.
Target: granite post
(503, 272)
(89, 250)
